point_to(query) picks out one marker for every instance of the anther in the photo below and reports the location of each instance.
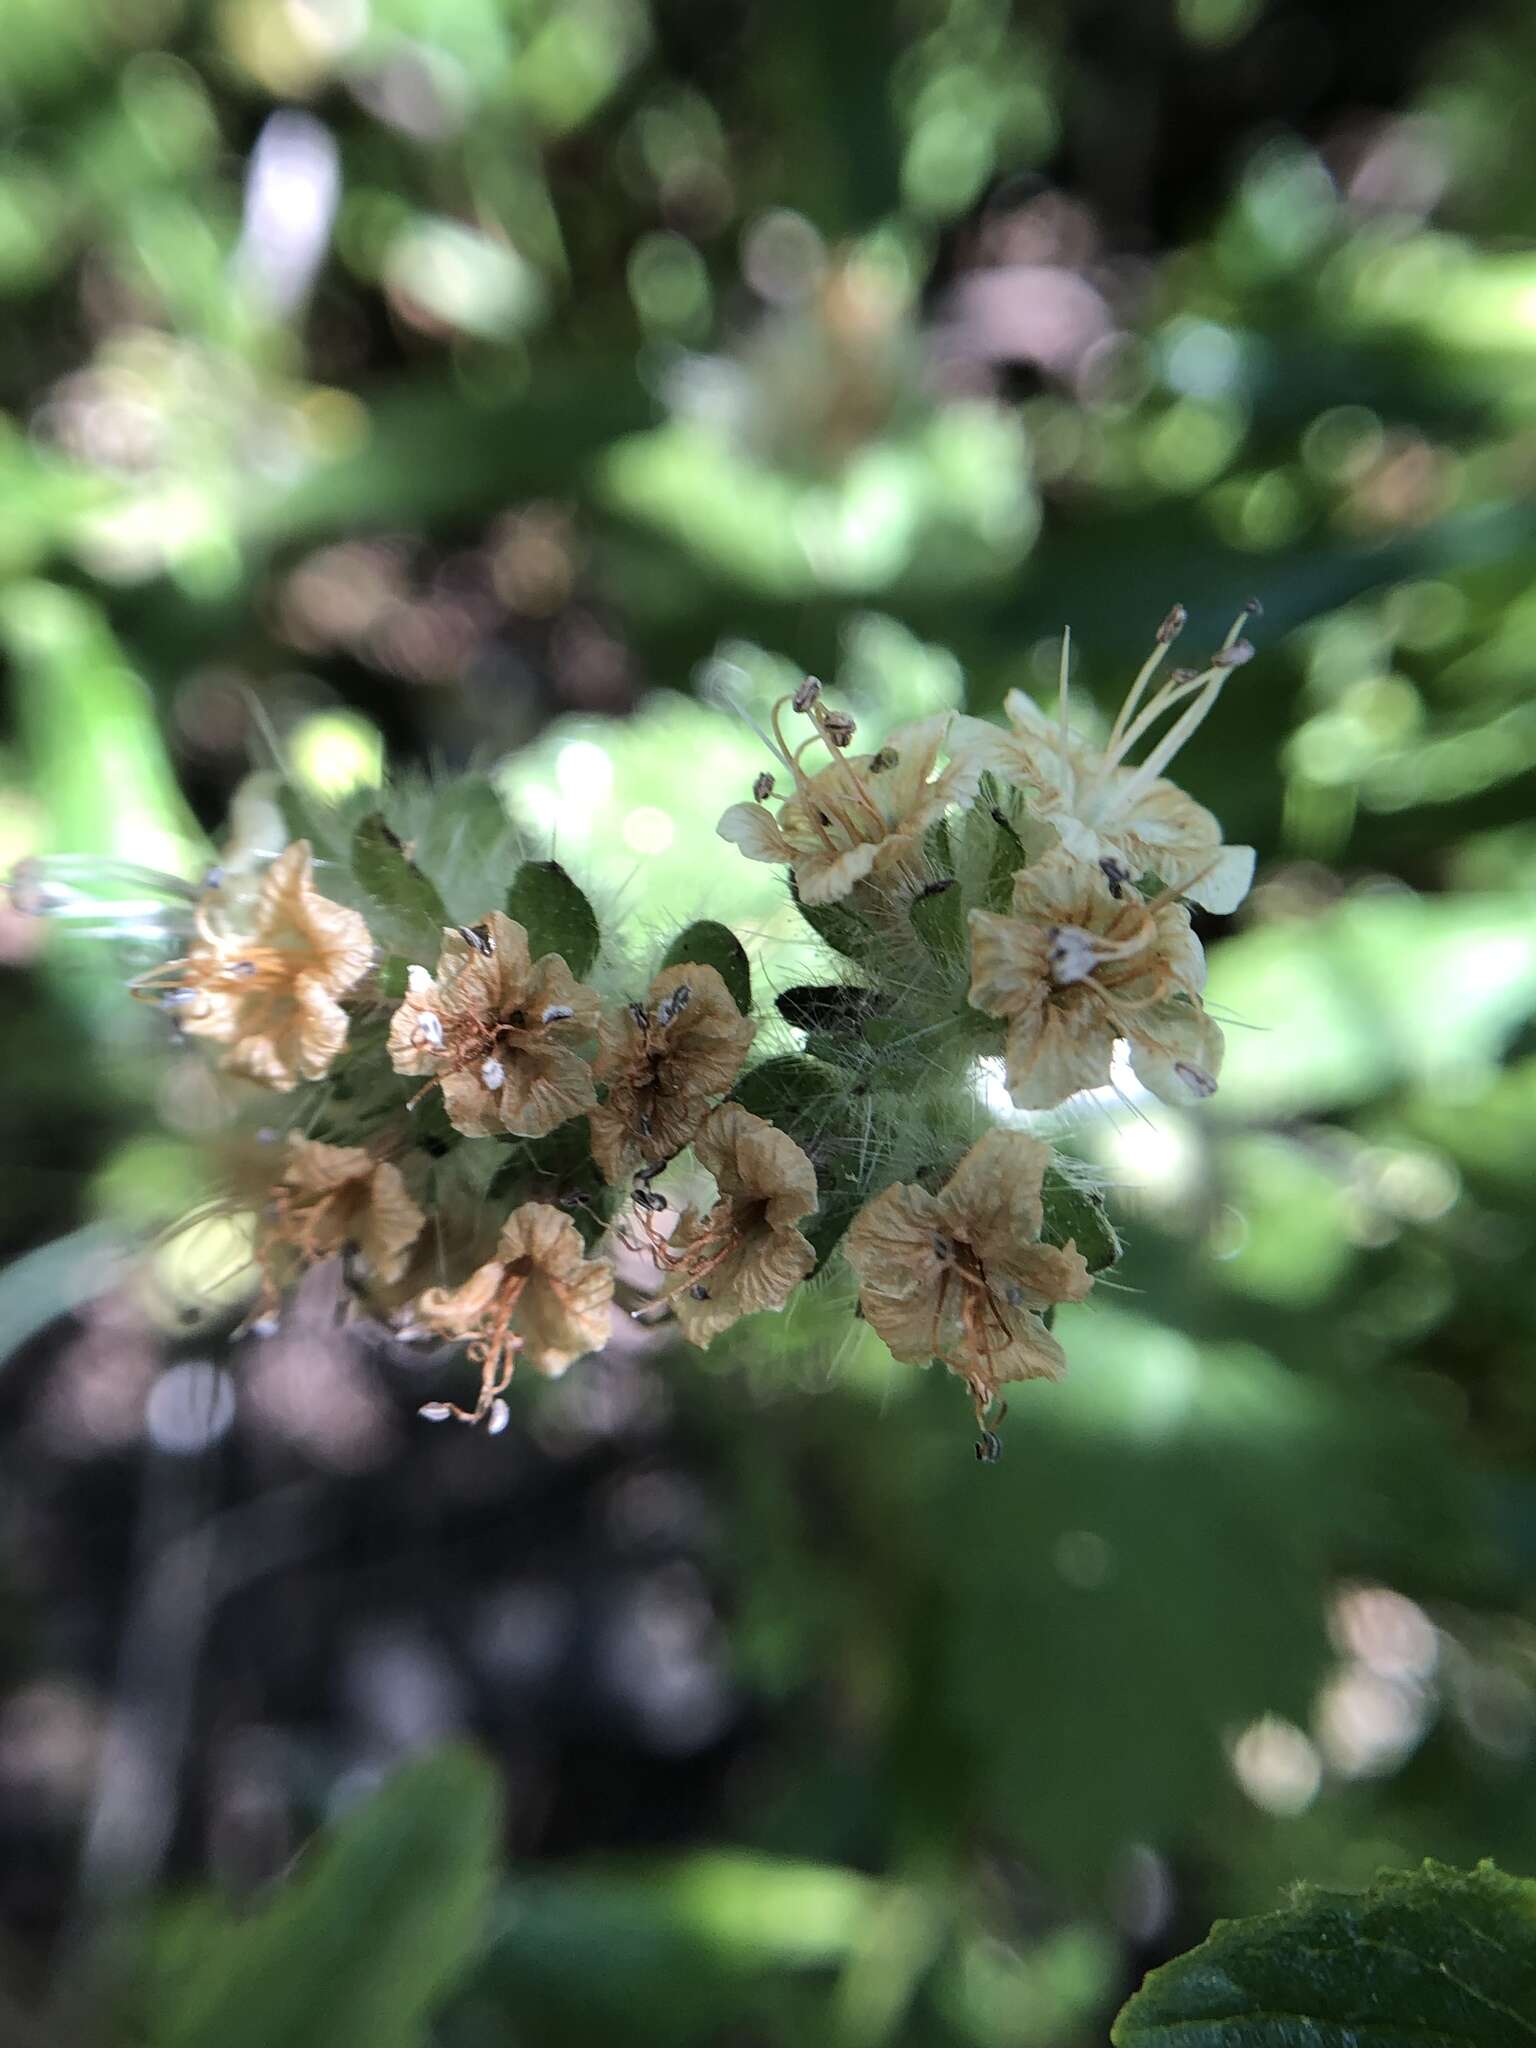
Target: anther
(417, 981)
(638, 1017)
(1195, 1079)
(479, 937)
(1233, 656)
(1172, 626)
(698, 1291)
(429, 1031)
(435, 1411)
(838, 727)
(877, 764)
(498, 1417)
(673, 1006)
(806, 695)
(762, 788)
(557, 1013)
(493, 1074)
(649, 1200)
(1115, 875)
(989, 1447)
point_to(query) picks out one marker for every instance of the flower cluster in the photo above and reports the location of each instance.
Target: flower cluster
(473, 1140)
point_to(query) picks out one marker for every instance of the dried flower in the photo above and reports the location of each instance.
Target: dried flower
(962, 1275)
(745, 1253)
(664, 1061)
(864, 815)
(270, 995)
(335, 1198)
(1103, 809)
(495, 1029)
(1080, 961)
(540, 1297)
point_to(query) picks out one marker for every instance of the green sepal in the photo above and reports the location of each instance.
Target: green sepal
(555, 914)
(707, 944)
(1075, 1212)
(557, 1169)
(836, 1009)
(837, 928)
(938, 918)
(405, 911)
(467, 842)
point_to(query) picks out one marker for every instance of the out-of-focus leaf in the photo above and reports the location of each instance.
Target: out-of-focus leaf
(714, 945)
(362, 1942)
(1380, 992)
(90, 734)
(554, 912)
(1435, 1955)
(662, 1953)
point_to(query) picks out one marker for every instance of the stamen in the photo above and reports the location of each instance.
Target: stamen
(762, 788)
(557, 1013)
(806, 695)
(493, 1074)
(418, 981)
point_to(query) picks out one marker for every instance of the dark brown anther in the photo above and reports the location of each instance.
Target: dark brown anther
(478, 936)
(762, 789)
(936, 888)
(989, 1447)
(807, 694)
(1172, 626)
(649, 1200)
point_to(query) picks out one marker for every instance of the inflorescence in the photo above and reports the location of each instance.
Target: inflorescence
(473, 1139)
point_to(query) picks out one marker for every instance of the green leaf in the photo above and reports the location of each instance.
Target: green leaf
(554, 913)
(409, 912)
(1432, 1958)
(707, 944)
(360, 1945)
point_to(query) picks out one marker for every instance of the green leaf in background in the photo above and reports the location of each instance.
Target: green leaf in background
(554, 913)
(359, 1946)
(708, 944)
(1433, 1958)
(90, 734)
(1377, 992)
(408, 912)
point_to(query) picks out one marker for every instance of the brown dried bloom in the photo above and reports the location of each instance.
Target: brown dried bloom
(1080, 961)
(540, 1297)
(494, 1029)
(270, 994)
(745, 1253)
(862, 816)
(664, 1060)
(335, 1198)
(962, 1275)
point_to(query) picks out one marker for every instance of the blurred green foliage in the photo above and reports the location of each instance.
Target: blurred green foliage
(520, 383)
